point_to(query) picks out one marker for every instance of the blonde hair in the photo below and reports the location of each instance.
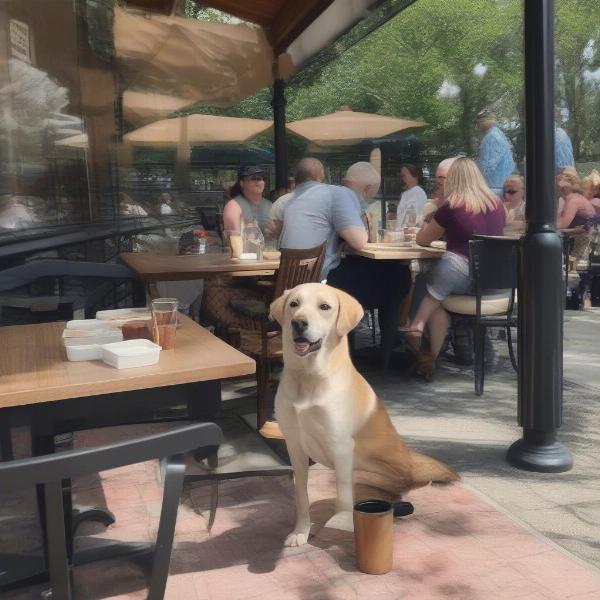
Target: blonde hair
(465, 186)
(572, 178)
(593, 180)
(515, 177)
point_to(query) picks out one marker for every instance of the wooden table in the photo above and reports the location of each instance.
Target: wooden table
(36, 368)
(152, 267)
(389, 252)
(61, 396)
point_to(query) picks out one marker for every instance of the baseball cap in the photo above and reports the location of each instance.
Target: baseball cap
(485, 115)
(247, 170)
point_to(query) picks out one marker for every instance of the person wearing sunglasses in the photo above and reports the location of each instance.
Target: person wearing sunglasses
(247, 200)
(513, 196)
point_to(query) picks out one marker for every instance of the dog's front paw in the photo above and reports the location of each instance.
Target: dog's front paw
(296, 538)
(341, 520)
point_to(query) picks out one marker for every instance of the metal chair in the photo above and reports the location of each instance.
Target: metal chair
(493, 267)
(50, 470)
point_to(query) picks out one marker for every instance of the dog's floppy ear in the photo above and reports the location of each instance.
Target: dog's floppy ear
(278, 306)
(350, 313)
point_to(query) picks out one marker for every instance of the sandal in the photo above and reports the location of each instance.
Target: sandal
(413, 340)
(426, 366)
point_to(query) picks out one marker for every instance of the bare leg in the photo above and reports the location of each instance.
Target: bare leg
(438, 328)
(427, 307)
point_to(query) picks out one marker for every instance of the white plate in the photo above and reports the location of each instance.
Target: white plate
(247, 256)
(131, 353)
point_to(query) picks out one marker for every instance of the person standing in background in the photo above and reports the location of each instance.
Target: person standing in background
(495, 158)
(563, 149)
(413, 195)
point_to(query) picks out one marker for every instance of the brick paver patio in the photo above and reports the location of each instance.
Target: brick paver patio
(457, 545)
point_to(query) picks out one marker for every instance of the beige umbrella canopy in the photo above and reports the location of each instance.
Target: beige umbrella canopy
(346, 127)
(220, 63)
(196, 129)
(182, 132)
(140, 108)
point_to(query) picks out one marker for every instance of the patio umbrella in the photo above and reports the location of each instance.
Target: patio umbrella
(140, 108)
(220, 63)
(183, 132)
(346, 127)
(196, 129)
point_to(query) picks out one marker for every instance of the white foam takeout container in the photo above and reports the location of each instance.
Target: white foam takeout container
(87, 337)
(82, 338)
(119, 316)
(88, 324)
(131, 353)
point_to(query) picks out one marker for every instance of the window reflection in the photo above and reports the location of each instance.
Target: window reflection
(78, 77)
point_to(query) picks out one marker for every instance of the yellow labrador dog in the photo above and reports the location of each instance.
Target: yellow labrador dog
(328, 412)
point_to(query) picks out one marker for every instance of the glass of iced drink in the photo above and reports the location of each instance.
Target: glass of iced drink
(164, 322)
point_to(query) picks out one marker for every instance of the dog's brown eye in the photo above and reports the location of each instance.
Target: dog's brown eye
(324, 306)
(294, 303)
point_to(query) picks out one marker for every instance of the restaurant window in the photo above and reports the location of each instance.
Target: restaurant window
(83, 87)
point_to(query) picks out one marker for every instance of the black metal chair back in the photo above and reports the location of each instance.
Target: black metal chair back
(49, 471)
(494, 263)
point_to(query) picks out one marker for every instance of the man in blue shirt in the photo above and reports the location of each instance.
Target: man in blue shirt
(563, 149)
(495, 153)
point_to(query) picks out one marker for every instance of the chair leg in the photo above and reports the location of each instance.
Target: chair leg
(6, 448)
(214, 503)
(174, 474)
(511, 350)
(479, 362)
(373, 334)
(60, 573)
(262, 385)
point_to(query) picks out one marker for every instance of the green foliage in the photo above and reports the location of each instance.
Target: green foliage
(399, 69)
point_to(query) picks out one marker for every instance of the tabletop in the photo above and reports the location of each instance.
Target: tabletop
(162, 267)
(382, 251)
(34, 366)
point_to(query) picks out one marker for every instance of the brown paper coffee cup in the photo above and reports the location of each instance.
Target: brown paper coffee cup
(373, 534)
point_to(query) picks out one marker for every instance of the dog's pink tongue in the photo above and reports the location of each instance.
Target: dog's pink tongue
(301, 346)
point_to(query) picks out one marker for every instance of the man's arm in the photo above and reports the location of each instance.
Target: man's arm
(232, 216)
(272, 229)
(355, 237)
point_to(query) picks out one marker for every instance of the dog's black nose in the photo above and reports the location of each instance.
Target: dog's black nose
(299, 326)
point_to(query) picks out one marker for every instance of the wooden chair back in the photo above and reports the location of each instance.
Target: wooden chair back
(297, 267)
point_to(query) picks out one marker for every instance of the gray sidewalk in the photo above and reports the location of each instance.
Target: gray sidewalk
(446, 418)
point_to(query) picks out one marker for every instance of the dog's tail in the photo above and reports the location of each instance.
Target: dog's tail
(426, 470)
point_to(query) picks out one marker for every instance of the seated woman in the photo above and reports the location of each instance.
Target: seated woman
(575, 208)
(591, 189)
(514, 201)
(470, 207)
(247, 202)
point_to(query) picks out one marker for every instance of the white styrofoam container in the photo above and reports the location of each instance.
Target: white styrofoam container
(123, 314)
(84, 352)
(88, 337)
(90, 324)
(131, 353)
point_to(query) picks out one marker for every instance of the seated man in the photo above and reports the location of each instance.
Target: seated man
(318, 213)
(309, 169)
(380, 284)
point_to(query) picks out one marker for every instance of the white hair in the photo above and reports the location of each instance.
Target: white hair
(363, 173)
(446, 163)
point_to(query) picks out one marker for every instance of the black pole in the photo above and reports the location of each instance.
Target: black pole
(281, 161)
(540, 272)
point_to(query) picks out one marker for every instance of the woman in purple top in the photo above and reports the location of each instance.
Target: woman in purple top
(470, 208)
